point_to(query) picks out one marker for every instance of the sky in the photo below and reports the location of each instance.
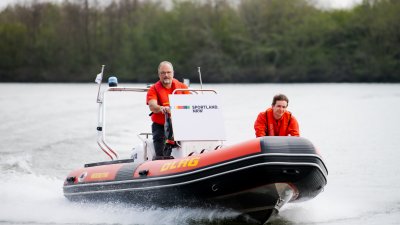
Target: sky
(338, 4)
(335, 4)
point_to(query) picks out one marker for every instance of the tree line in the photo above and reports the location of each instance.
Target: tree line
(249, 41)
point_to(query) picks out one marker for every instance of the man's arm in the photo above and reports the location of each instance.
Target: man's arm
(293, 128)
(155, 108)
(260, 125)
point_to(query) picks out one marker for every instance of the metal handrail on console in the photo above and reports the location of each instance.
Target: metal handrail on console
(101, 140)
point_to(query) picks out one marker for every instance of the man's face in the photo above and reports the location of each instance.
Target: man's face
(166, 74)
(279, 109)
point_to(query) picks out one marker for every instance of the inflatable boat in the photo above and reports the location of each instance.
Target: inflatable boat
(254, 178)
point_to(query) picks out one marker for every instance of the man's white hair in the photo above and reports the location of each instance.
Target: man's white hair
(167, 63)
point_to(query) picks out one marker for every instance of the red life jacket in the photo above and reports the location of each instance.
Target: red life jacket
(280, 127)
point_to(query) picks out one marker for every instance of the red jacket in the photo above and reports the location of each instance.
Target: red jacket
(158, 92)
(266, 125)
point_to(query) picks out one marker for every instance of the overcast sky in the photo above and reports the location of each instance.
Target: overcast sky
(337, 4)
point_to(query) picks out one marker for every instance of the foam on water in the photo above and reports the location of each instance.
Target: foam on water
(29, 198)
(12, 164)
(34, 199)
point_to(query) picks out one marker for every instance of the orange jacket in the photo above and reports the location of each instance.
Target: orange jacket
(158, 92)
(266, 125)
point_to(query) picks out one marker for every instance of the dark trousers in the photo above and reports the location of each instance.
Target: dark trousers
(158, 138)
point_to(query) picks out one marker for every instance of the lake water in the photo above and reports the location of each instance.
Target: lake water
(46, 130)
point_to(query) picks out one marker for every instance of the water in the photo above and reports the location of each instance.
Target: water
(46, 130)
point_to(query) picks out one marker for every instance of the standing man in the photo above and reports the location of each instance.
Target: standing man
(277, 121)
(158, 101)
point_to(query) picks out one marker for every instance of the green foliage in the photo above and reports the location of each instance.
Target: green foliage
(249, 41)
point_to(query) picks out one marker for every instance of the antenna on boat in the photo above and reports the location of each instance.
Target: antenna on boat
(98, 80)
(201, 82)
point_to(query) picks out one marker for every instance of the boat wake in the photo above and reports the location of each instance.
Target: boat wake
(330, 210)
(30, 198)
(15, 164)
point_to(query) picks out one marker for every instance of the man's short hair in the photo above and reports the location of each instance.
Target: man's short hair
(280, 97)
(165, 62)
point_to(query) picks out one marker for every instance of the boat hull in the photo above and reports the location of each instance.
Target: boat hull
(257, 183)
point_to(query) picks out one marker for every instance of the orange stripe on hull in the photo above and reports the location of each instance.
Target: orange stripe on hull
(165, 167)
(98, 173)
